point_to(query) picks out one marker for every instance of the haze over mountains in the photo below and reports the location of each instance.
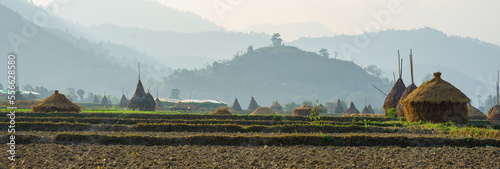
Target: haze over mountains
(110, 43)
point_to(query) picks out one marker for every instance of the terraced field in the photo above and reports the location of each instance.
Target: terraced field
(90, 140)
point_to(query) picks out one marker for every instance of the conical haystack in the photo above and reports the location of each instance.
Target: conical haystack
(149, 103)
(221, 111)
(137, 101)
(352, 109)
(436, 101)
(159, 106)
(123, 102)
(392, 99)
(494, 113)
(338, 107)
(56, 102)
(304, 110)
(96, 100)
(263, 111)
(400, 110)
(236, 105)
(104, 100)
(322, 109)
(474, 113)
(276, 107)
(253, 104)
(370, 109)
(365, 110)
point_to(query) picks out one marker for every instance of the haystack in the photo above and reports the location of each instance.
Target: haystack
(370, 109)
(304, 110)
(474, 113)
(159, 106)
(253, 104)
(400, 110)
(322, 109)
(149, 103)
(123, 102)
(392, 99)
(137, 101)
(494, 112)
(338, 107)
(263, 111)
(227, 108)
(96, 100)
(57, 102)
(436, 101)
(104, 100)
(178, 106)
(276, 107)
(352, 109)
(221, 111)
(236, 105)
(365, 110)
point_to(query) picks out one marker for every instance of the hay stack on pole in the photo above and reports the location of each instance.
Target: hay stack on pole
(400, 111)
(370, 109)
(392, 99)
(56, 102)
(236, 105)
(221, 111)
(104, 99)
(123, 102)
(338, 107)
(277, 107)
(137, 101)
(149, 103)
(304, 110)
(96, 100)
(436, 101)
(352, 109)
(494, 112)
(475, 114)
(159, 106)
(263, 111)
(253, 104)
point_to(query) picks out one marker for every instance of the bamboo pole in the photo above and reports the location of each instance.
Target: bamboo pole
(401, 70)
(411, 67)
(394, 75)
(399, 65)
(498, 81)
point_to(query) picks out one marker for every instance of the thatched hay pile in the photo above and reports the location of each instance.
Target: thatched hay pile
(149, 103)
(370, 109)
(179, 106)
(338, 107)
(263, 111)
(276, 107)
(322, 109)
(366, 110)
(227, 108)
(352, 109)
(253, 104)
(56, 102)
(474, 113)
(304, 110)
(138, 100)
(236, 105)
(159, 106)
(104, 100)
(400, 111)
(123, 102)
(494, 113)
(221, 111)
(436, 101)
(96, 100)
(392, 99)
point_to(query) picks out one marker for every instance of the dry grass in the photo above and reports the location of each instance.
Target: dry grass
(56, 102)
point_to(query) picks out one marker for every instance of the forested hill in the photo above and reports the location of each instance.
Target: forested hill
(281, 74)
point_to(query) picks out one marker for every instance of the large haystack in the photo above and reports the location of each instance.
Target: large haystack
(236, 105)
(253, 104)
(263, 111)
(276, 107)
(365, 110)
(351, 110)
(304, 110)
(56, 102)
(392, 99)
(494, 113)
(104, 100)
(137, 101)
(338, 107)
(96, 100)
(400, 111)
(123, 102)
(221, 111)
(370, 109)
(436, 101)
(322, 109)
(475, 113)
(159, 106)
(149, 103)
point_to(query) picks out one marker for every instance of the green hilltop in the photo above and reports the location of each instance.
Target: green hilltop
(282, 73)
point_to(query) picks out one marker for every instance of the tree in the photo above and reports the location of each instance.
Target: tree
(290, 106)
(374, 70)
(80, 93)
(44, 92)
(90, 97)
(250, 49)
(310, 103)
(276, 40)
(324, 52)
(175, 93)
(71, 92)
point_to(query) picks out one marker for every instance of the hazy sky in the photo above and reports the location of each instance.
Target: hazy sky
(473, 18)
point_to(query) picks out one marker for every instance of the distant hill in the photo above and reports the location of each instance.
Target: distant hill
(293, 31)
(281, 74)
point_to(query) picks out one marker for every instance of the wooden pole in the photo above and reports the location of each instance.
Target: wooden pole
(393, 74)
(139, 67)
(411, 67)
(498, 81)
(399, 65)
(401, 70)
